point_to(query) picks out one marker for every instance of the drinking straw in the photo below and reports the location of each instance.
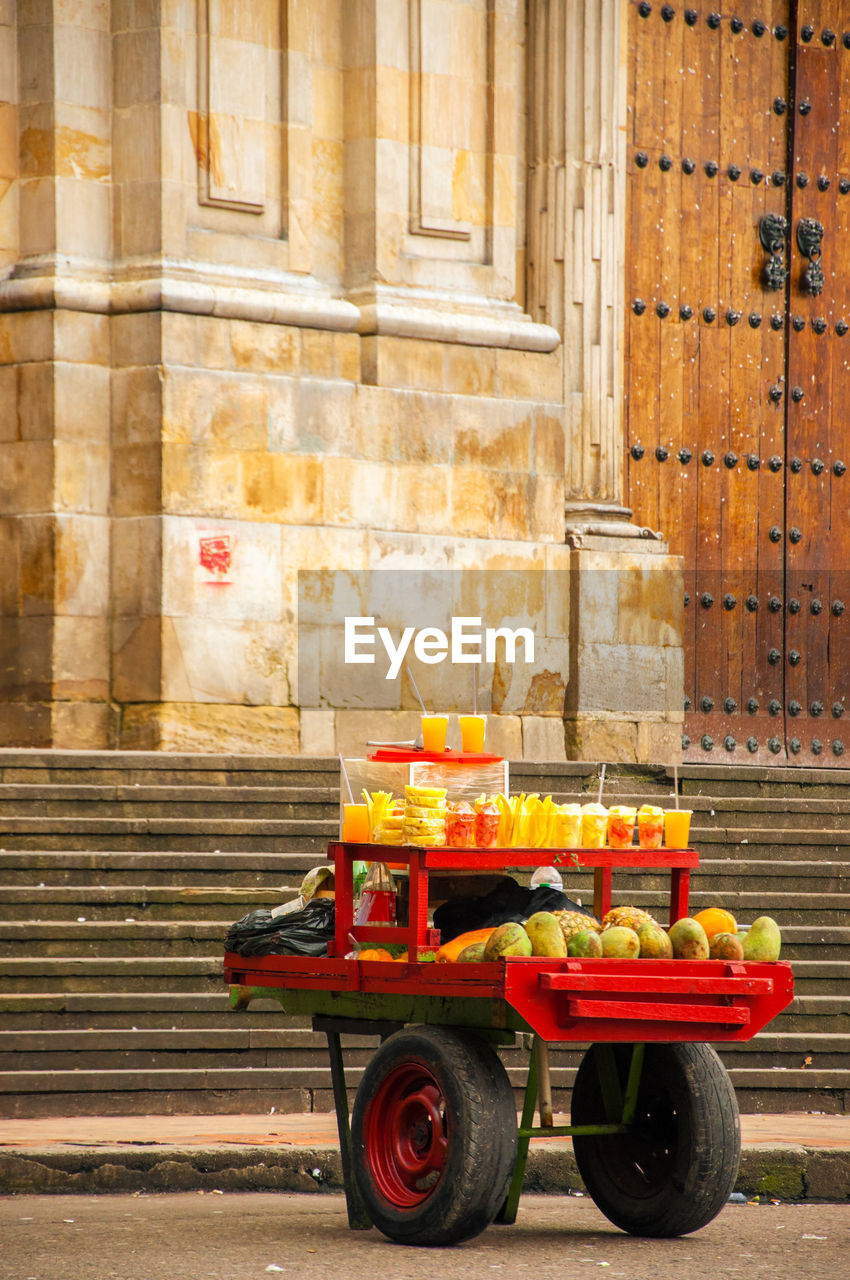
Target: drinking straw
(601, 784)
(416, 691)
(345, 776)
(475, 689)
(676, 785)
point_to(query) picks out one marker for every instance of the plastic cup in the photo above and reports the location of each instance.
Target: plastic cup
(621, 828)
(594, 828)
(472, 732)
(677, 827)
(650, 830)
(355, 823)
(434, 729)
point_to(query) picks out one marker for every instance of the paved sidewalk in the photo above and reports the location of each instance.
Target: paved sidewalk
(820, 1132)
(785, 1157)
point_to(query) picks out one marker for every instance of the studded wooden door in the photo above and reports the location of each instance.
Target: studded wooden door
(737, 378)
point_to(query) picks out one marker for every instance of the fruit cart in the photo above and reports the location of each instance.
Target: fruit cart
(432, 1153)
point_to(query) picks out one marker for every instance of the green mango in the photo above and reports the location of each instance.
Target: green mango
(545, 934)
(509, 939)
(763, 940)
(586, 943)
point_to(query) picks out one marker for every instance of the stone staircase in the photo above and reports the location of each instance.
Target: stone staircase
(119, 873)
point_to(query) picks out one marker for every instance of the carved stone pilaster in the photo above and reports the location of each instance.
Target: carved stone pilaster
(576, 222)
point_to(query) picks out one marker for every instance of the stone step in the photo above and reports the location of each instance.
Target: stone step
(168, 868)
(141, 903)
(268, 835)
(144, 973)
(163, 833)
(285, 1046)
(90, 939)
(762, 781)
(230, 1090)
(85, 973)
(96, 902)
(25, 801)
(111, 1009)
(151, 768)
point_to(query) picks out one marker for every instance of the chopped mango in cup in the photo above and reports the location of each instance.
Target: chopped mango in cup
(594, 826)
(565, 827)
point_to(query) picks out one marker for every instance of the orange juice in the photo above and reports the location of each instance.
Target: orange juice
(355, 823)
(434, 729)
(472, 732)
(677, 827)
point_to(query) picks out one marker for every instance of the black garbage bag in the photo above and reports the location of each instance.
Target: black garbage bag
(509, 900)
(299, 933)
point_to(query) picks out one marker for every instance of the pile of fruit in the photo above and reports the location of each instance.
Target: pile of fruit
(625, 933)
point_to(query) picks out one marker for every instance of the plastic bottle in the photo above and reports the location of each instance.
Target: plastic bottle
(548, 876)
(377, 903)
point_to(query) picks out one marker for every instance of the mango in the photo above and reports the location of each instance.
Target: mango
(763, 940)
(509, 939)
(688, 939)
(472, 954)
(545, 934)
(585, 943)
(655, 943)
(621, 942)
(725, 946)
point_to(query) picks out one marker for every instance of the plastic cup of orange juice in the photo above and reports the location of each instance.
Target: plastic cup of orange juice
(355, 823)
(434, 729)
(677, 827)
(472, 732)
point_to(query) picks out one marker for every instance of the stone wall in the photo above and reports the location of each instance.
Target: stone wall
(264, 307)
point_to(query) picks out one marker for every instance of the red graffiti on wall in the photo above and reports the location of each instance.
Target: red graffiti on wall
(215, 555)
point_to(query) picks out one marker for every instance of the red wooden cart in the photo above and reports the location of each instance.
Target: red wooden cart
(432, 1153)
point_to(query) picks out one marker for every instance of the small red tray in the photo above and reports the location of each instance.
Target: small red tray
(407, 755)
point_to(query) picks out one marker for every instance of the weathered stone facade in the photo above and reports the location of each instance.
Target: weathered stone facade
(310, 284)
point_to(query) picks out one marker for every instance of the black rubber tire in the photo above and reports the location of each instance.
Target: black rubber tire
(474, 1103)
(675, 1169)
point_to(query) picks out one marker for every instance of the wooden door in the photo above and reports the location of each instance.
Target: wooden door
(737, 360)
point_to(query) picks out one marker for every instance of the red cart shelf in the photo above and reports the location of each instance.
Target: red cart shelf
(584, 1000)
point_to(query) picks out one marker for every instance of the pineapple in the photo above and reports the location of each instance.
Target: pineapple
(626, 917)
(573, 922)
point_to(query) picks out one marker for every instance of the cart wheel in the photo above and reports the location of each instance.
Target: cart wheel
(433, 1136)
(676, 1167)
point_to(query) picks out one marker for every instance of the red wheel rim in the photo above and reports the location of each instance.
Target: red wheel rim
(405, 1129)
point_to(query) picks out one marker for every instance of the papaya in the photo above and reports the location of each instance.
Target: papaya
(654, 942)
(450, 951)
(620, 941)
(725, 946)
(763, 940)
(545, 934)
(688, 939)
(509, 939)
(584, 944)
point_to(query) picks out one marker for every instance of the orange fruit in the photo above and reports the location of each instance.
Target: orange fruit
(716, 920)
(373, 953)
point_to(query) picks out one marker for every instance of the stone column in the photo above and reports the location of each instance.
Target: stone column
(625, 692)
(576, 223)
(55, 228)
